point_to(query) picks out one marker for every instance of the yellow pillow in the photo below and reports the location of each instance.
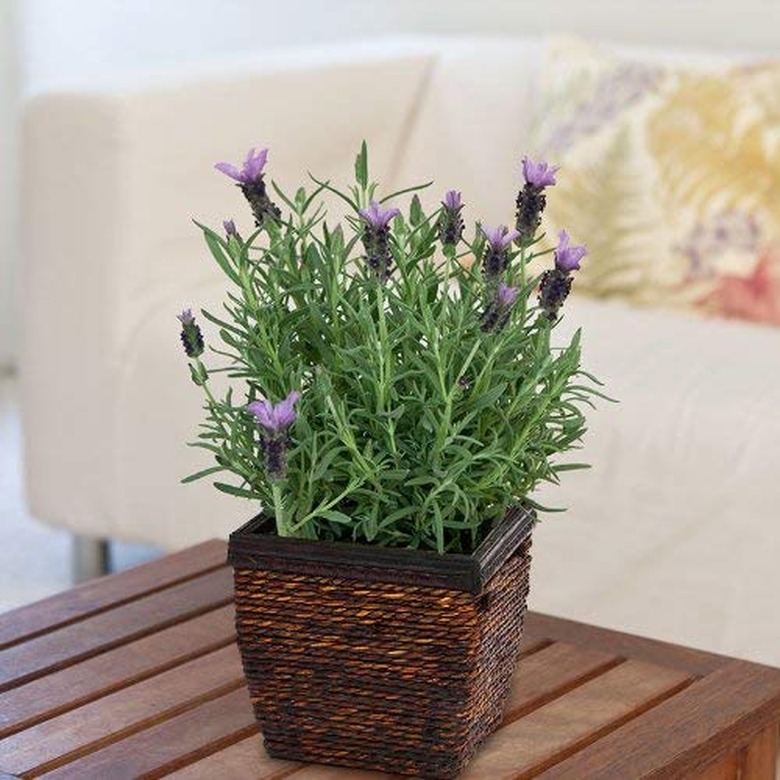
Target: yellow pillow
(671, 176)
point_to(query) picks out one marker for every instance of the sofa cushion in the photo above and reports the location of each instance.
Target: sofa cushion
(670, 175)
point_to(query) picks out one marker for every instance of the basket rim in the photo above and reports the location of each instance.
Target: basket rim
(254, 546)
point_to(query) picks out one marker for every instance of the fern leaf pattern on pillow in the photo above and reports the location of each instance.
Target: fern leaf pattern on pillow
(673, 179)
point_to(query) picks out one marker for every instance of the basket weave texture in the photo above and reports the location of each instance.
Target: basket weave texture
(394, 676)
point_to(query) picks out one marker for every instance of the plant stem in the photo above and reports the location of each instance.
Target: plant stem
(281, 523)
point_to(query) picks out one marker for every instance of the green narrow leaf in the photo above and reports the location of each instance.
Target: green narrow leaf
(361, 166)
(235, 491)
(201, 474)
(215, 245)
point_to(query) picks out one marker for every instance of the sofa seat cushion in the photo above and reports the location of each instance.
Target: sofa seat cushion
(674, 531)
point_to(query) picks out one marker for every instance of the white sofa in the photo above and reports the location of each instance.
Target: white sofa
(674, 532)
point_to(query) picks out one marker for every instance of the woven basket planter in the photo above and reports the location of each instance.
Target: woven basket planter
(395, 660)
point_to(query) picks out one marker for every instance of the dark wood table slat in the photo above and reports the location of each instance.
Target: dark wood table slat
(127, 711)
(107, 592)
(170, 745)
(107, 672)
(530, 744)
(682, 736)
(75, 642)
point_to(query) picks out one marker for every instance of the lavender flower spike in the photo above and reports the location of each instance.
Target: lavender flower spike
(191, 336)
(539, 174)
(376, 239)
(496, 315)
(567, 258)
(531, 200)
(378, 217)
(496, 257)
(452, 201)
(499, 238)
(450, 220)
(555, 285)
(274, 419)
(251, 170)
(506, 295)
(250, 180)
(230, 228)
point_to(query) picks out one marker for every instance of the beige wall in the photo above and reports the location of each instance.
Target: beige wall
(8, 183)
(80, 39)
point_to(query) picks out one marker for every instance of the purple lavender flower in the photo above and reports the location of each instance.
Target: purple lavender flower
(191, 336)
(377, 217)
(251, 170)
(452, 200)
(496, 315)
(505, 296)
(450, 220)
(539, 174)
(250, 179)
(531, 200)
(567, 258)
(376, 238)
(230, 228)
(555, 284)
(496, 257)
(273, 421)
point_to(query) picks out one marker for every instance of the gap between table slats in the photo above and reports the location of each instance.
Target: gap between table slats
(92, 598)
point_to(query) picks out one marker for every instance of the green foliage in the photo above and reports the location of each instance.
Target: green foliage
(415, 427)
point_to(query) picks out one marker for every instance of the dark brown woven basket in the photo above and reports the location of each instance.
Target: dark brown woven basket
(395, 660)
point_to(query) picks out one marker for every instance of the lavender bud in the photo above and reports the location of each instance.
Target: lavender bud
(531, 200)
(496, 315)
(273, 421)
(450, 220)
(554, 288)
(191, 336)
(376, 239)
(275, 450)
(496, 257)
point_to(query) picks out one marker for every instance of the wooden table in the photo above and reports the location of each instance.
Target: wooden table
(136, 675)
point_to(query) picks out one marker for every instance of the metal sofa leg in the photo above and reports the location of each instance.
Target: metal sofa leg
(90, 558)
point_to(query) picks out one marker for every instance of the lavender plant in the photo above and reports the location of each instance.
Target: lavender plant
(392, 392)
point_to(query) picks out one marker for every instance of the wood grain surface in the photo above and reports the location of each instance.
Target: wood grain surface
(137, 675)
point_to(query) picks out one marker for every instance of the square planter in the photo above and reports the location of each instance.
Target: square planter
(390, 659)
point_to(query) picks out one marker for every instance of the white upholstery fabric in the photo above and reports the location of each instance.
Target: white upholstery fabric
(470, 131)
(672, 533)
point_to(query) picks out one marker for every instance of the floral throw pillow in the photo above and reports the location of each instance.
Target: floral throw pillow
(672, 178)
